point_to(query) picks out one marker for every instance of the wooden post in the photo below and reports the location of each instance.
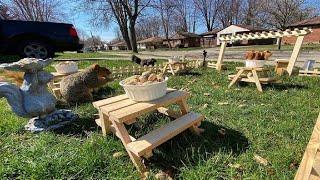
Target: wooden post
(295, 54)
(221, 55)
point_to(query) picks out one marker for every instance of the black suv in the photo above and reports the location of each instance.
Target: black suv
(37, 39)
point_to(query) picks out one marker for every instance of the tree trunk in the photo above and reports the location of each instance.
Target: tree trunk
(126, 38)
(133, 37)
(279, 43)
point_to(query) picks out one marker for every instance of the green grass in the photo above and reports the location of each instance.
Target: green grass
(275, 125)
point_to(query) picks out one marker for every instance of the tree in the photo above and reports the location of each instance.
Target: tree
(148, 26)
(230, 12)
(208, 10)
(133, 9)
(36, 10)
(4, 12)
(282, 13)
(166, 11)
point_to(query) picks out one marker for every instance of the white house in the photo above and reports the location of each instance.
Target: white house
(237, 29)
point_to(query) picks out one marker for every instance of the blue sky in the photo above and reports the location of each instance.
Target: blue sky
(82, 20)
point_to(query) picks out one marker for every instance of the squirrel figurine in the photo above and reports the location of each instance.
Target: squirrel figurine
(78, 87)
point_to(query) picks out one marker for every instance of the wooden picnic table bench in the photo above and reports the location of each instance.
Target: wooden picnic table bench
(251, 75)
(117, 111)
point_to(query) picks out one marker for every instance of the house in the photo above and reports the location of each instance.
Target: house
(150, 43)
(312, 38)
(209, 39)
(118, 45)
(183, 40)
(241, 29)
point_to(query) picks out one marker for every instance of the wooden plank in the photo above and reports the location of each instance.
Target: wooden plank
(163, 134)
(141, 108)
(309, 156)
(295, 54)
(221, 55)
(109, 100)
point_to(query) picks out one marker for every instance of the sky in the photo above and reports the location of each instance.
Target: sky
(82, 20)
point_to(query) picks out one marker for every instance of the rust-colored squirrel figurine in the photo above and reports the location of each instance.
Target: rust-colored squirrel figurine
(78, 87)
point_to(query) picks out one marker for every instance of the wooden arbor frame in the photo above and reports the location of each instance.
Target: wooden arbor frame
(300, 33)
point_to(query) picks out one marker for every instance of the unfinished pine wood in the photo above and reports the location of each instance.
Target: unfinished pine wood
(251, 75)
(116, 111)
(313, 73)
(300, 33)
(221, 55)
(309, 165)
(163, 134)
(136, 109)
(295, 54)
(177, 67)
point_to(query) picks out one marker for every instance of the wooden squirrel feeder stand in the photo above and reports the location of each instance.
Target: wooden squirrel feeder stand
(251, 75)
(117, 111)
(310, 164)
(175, 67)
(281, 65)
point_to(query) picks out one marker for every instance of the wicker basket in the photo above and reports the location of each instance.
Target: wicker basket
(145, 92)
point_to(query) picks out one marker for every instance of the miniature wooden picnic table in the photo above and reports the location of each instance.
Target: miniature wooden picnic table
(248, 74)
(174, 67)
(117, 111)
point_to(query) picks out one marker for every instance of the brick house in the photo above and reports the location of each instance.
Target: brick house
(150, 43)
(209, 39)
(312, 38)
(183, 40)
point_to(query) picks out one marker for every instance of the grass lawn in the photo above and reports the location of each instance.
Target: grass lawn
(275, 125)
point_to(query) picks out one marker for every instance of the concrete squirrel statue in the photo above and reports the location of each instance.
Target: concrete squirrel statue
(78, 87)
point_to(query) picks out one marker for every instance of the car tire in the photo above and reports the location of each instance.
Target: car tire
(36, 49)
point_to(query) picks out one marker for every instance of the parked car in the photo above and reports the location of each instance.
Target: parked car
(37, 39)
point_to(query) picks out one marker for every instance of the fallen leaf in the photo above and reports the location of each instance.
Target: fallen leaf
(242, 105)
(294, 165)
(223, 103)
(162, 176)
(222, 131)
(204, 106)
(236, 166)
(207, 94)
(260, 160)
(118, 154)
(237, 89)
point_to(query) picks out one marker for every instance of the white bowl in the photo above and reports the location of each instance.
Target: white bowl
(66, 67)
(255, 63)
(145, 92)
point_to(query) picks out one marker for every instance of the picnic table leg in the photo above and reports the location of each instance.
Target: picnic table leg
(165, 68)
(172, 71)
(185, 110)
(105, 123)
(125, 138)
(256, 79)
(236, 78)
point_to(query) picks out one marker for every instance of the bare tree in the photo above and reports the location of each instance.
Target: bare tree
(36, 10)
(148, 26)
(4, 12)
(230, 12)
(208, 9)
(185, 15)
(166, 11)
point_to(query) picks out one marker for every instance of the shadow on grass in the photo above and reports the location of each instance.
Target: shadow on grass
(276, 86)
(187, 148)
